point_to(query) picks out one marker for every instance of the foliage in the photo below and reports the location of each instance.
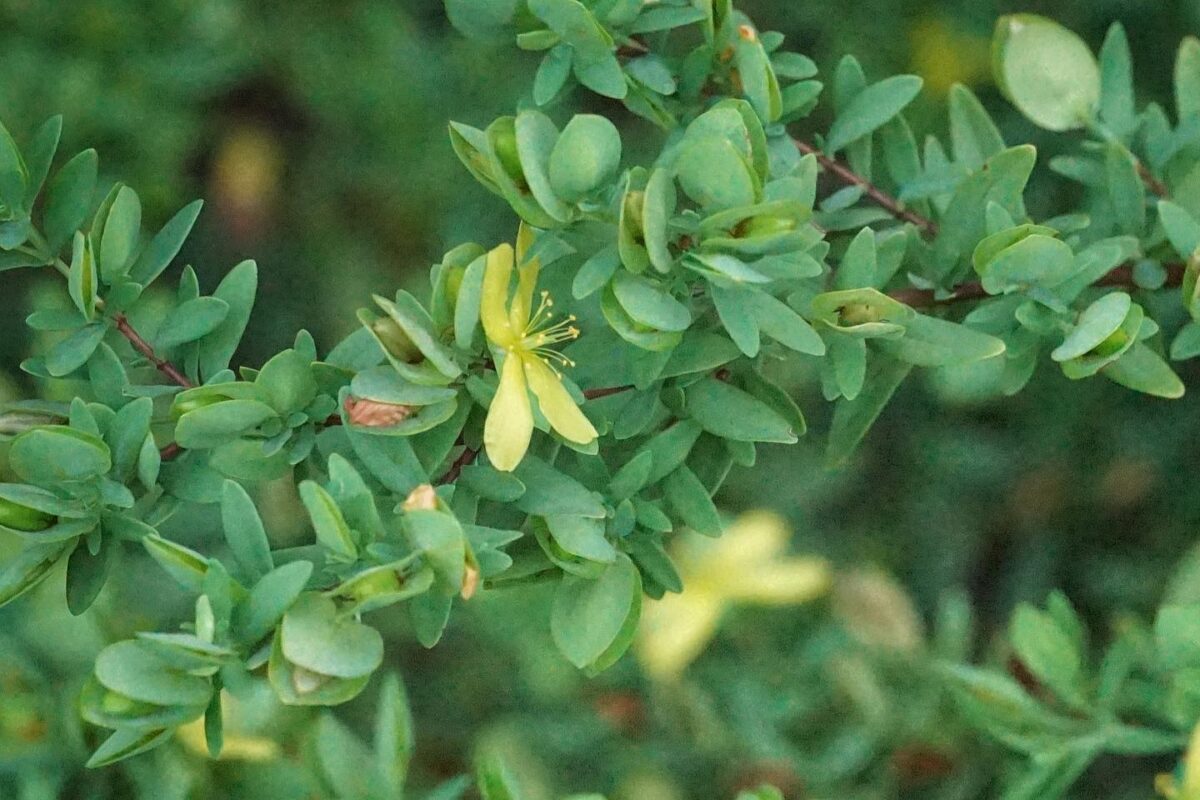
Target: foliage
(484, 439)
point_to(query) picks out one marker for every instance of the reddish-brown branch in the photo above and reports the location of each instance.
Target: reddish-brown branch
(881, 198)
(1121, 276)
(1152, 183)
(596, 394)
(143, 347)
(465, 458)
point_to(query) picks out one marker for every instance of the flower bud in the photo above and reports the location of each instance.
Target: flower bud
(859, 314)
(635, 202)
(1115, 343)
(765, 225)
(182, 407)
(504, 143)
(470, 583)
(375, 414)
(20, 517)
(395, 340)
(422, 498)
(18, 421)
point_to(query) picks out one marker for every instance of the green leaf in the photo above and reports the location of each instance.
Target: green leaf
(692, 502)
(1099, 321)
(127, 434)
(715, 174)
(647, 303)
(588, 615)
(1117, 100)
(189, 321)
(54, 454)
(1187, 78)
(1186, 343)
(127, 743)
(670, 448)
(871, 108)
(736, 310)
(581, 537)
(933, 342)
(244, 532)
(536, 139)
(1047, 71)
(237, 289)
(759, 82)
(394, 741)
(129, 668)
(213, 425)
(69, 198)
(1143, 370)
(288, 382)
(332, 531)
(1177, 636)
(658, 206)
(1182, 228)
(853, 418)
(187, 567)
(585, 157)
(973, 134)
(314, 637)
(41, 155)
(859, 265)
(86, 574)
(1047, 651)
(1126, 191)
(595, 272)
(13, 175)
(1036, 260)
(73, 352)
(82, 283)
(727, 411)
(165, 245)
(119, 241)
(777, 320)
(552, 74)
(271, 597)
(549, 492)
(28, 568)
(495, 782)
(439, 537)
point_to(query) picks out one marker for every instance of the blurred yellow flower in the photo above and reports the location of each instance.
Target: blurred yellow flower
(747, 564)
(944, 55)
(525, 334)
(237, 746)
(1185, 784)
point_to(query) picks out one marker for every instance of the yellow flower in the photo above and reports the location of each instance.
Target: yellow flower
(747, 564)
(238, 745)
(1185, 785)
(524, 334)
(944, 55)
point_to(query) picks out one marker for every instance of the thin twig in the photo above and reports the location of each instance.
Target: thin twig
(143, 347)
(1121, 276)
(596, 394)
(1152, 183)
(465, 458)
(851, 178)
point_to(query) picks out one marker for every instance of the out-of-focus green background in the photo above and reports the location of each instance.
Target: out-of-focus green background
(316, 133)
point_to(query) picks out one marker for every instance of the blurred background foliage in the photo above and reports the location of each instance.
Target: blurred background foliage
(315, 132)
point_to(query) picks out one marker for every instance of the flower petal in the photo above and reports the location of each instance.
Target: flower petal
(493, 308)
(676, 629)
(786, 582)
(556, 403)
(509, 424)
(527, 275)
